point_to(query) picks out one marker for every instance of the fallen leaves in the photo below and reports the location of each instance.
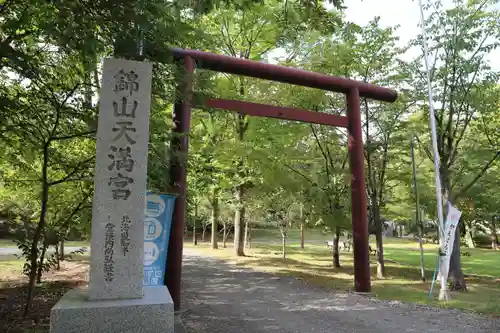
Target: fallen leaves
(55, 285)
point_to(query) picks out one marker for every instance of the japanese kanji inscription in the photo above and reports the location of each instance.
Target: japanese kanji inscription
(120, 180)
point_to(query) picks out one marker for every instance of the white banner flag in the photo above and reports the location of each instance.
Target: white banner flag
(452, 219)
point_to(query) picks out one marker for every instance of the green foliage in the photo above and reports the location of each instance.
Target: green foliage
(482, 241)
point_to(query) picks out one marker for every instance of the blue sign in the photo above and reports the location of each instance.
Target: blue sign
(157, 222)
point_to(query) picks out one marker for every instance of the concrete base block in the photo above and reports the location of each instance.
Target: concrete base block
(74, 313)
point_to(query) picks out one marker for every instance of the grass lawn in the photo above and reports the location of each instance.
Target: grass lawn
(293, 235)
(77, 243)
(314, 265)
(8, 243)
(10, 268)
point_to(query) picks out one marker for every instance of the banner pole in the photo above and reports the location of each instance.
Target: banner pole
(443, 295)
(434, 275)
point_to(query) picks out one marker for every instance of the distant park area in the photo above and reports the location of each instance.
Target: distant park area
(313, 264)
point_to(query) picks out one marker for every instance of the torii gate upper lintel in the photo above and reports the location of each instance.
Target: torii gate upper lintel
(353, 90)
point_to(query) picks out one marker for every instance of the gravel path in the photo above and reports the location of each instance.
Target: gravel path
(220, 298)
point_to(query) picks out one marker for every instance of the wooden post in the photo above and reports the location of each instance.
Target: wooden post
(178, 175)
(358, 194)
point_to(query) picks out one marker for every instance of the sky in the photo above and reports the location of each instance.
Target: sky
(405, 13)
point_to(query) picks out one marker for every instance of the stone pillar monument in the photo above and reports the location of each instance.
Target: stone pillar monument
(116, 300)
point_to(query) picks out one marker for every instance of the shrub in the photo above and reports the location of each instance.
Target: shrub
(482, 240)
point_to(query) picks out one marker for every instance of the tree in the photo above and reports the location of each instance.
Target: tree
(281, 211)
(50, 119)
(251, 34)
(196, 190)
(331, 198)
(238, 33)
(376, 57)
(366, 53)
(459, 39)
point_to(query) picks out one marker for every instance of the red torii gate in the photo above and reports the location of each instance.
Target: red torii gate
(181, 118)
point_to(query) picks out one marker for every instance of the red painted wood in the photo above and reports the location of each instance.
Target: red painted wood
(263, 110)
(358, 195)
(233, 65)
(178, 178)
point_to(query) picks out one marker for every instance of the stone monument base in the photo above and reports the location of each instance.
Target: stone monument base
(74, 313)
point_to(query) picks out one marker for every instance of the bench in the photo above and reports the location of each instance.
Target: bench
(342, 245)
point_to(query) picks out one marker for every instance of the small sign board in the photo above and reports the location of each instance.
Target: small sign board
(157, 222)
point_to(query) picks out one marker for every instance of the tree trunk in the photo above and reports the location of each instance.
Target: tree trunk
(239, 215)
(378, 236)
(302, 227)
(38, 232)
(215, 218)
(249, 235)
(40, 263)
(195, 239)
(245, 237)
(195, 235)
(224, 234)
(418, 218)
(58, 256)
(87, 70)
(239, 220)
(26, 224)
(494, 235)
(204, 229)
(456, 276)
(421, 246)
(336, 253)
(283, 244)
(61, 249)
(97, 83)
(468, 235)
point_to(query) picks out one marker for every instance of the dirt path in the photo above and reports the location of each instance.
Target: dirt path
(221, 298)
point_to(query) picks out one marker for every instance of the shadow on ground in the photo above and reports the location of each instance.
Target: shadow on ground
(13, 298)
(55, 284)
(225, 298)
